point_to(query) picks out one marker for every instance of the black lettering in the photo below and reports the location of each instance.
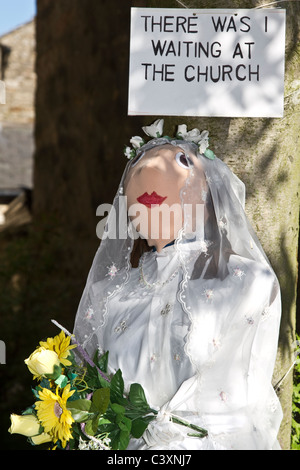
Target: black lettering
(215, 52)
(266, 24)
(192, 25)
(223, 73)
(158, 48)
(204, 74)
(217, 78)
(208, 49)
(154, 23)
(254, 73)
(170, 24)
(180, 23)
(171, 49)
(189, 78)
(246, 24)
(166, 24)
(249, 48)
(231, 24)
(188, 43)
(169, 73)
(227, 70)
(179, 49)
(222, 24)
(237, 72)
(218, 24)
(156, 72)
(237, 51)
(146, 22)
(165, 72)
(202, 48)
(189, 48)
(146, 70)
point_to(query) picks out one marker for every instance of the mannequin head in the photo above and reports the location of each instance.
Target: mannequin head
(152, 187)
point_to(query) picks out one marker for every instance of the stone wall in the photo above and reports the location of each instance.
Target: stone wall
(17, 115)
(19, 75)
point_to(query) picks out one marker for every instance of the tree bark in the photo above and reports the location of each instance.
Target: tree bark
(265, 154)
(81, 105)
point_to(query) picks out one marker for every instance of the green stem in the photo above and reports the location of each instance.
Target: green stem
(202, 432)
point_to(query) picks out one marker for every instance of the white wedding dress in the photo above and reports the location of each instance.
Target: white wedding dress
(196, 324)
(227, 390)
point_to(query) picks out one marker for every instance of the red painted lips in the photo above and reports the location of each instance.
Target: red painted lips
(151, 199)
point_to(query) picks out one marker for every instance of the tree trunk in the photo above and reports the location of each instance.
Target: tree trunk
(265, 154)
(81, 125)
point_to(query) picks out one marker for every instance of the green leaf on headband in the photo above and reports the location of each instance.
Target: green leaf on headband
(209, 154)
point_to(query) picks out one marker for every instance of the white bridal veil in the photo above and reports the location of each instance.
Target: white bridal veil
(221, 286)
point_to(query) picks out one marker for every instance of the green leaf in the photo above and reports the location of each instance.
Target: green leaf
(55, 374)
(118, 409)
(45, 383)
(137, 397)
(82, 404)
(102, 382)
(35, 392)
(93, 375)
(209, 154)
(29, 411)
(72, 444)
(72, 376)
(119, 418)
(100, 400)
(124, 440)
(139, 426)
(80, 416)
(119, 439)
(103, 421)
(117, 387)
(125, 424)
(61, 381)
(80, 410)
(102, 362)
(89, 428)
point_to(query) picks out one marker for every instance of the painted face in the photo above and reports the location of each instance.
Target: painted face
(153, 187)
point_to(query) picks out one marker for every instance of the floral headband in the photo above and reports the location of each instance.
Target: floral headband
(156, 131)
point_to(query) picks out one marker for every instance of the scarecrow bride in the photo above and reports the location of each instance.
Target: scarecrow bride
(184, 299)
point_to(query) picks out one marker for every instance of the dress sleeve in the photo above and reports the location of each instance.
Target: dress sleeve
(233, 343)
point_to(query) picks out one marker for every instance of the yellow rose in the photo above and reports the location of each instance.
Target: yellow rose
(42, 362)
(27, 425)
(41, 439)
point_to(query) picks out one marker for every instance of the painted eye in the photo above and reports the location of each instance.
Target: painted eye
(183, 160)
(137, 159)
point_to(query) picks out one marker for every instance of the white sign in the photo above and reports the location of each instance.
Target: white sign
(207, 62)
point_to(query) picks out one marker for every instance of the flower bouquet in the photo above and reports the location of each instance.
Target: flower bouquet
(78, 405)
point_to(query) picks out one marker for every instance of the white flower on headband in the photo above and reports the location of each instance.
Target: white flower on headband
(156, 129)
(137, 142)
(129, 153)
(195, 136)
(203, 142)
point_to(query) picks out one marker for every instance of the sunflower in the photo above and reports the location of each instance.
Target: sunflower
(53, 414)
(61, 345)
